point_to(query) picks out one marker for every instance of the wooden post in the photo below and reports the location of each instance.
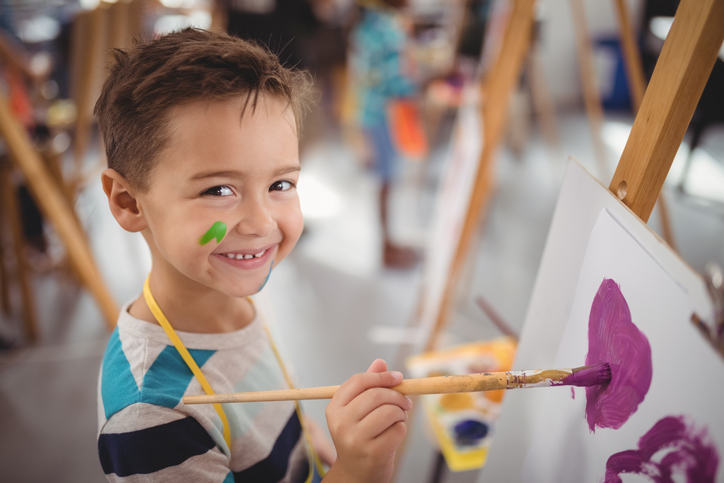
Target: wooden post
(637, 87)
(89, 38)
(12, 212)
(120, 26)
(55, 208)
(678, 80)
(4, 277)
(545, 109)
(631, 56)
(591, 94)
(503, 78)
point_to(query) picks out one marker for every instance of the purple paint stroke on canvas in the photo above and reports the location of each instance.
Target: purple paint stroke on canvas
(614, 338)
(679, 449)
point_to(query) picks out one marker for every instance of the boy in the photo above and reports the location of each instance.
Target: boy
(201, 138)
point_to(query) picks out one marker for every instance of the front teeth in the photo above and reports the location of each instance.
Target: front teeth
(239, 256)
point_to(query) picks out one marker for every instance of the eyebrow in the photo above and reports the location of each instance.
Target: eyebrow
(238, 174)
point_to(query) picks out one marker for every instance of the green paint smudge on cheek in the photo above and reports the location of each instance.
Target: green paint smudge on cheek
(217, 230)
(267, 276)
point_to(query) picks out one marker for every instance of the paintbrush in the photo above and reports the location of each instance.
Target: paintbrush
(586, 376)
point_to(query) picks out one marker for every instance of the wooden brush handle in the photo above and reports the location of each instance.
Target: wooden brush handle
(488, 381)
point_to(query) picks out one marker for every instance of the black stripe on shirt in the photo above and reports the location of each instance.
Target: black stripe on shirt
(274, 467)
(153, 449)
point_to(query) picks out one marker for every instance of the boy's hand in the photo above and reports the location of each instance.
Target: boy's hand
(367, 424)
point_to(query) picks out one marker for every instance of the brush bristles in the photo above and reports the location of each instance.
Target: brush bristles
(588, 376)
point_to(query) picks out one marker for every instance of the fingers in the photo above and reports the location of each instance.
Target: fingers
(378, 365)
(359, 383)
(373, 398)
(382, 418)
(367, 421)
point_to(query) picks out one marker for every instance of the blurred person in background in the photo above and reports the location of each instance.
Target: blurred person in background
(381, 71)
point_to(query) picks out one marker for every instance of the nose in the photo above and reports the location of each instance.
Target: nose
(255, 218)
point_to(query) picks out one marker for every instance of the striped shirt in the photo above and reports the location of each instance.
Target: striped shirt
(147, 434)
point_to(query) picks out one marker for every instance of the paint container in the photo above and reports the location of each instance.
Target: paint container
(457, 401)
(470, 432)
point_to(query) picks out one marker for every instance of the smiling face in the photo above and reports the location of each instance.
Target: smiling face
(220, 167)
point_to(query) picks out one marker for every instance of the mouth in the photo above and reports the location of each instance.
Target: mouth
(243, 256)
(247, 258)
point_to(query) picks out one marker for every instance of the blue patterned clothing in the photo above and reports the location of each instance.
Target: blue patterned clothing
(147, 434)
(377, 67)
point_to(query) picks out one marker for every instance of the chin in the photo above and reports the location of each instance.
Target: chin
(242, 290)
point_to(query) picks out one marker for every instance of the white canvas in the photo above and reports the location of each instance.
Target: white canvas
(549, 417)
(688, 376)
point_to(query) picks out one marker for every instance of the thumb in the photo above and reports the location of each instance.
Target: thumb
(379, 365)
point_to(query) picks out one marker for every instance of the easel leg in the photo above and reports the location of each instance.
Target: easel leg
(543, 103)
(10, 203)
(631, 56)
(501, 81)
(52, 161)
(666, 229)
(4, 289)
(439, 468)
(56, 210)
(591, 94)
(89, 33)
(637, 87)
(4, 279)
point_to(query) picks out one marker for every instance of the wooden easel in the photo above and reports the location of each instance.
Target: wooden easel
(666, 109)
(11, 212)
(497, 90)
(56, 209)
(95, 33)
(637, 87)
(678, 80)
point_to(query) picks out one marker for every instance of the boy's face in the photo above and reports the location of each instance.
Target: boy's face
(218, 167)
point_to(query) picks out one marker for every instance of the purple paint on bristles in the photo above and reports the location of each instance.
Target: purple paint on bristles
(614, 338)
(684, 450)
(589, 376)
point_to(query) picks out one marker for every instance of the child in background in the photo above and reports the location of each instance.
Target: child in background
(381, 74)
(201, 135)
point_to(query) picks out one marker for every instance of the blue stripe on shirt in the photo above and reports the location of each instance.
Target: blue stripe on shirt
(164, 384)
(152, 449)
(118, 387)
(166, 381)
(274, 467)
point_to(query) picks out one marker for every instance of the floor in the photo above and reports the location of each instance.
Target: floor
(331, 291)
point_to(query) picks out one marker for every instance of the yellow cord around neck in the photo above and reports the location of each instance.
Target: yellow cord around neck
(181, 348)
(196, 370)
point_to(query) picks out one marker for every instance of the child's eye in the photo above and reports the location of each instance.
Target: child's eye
(281, 186)
(219, 191)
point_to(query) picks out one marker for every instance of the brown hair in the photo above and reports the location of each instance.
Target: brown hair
(149, 79)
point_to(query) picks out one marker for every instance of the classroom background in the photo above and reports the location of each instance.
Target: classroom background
(337, 304)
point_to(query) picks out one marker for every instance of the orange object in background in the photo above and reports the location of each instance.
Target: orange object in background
(19, 99)
(406, 128)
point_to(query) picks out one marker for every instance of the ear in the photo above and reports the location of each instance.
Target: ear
(122, 202)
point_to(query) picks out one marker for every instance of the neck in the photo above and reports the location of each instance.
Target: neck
(192, 307)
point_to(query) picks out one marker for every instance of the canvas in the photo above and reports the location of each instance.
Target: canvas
(663, 405)
(604, 274)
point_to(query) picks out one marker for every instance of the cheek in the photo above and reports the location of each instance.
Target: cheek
(181, 237)
(291, 222)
